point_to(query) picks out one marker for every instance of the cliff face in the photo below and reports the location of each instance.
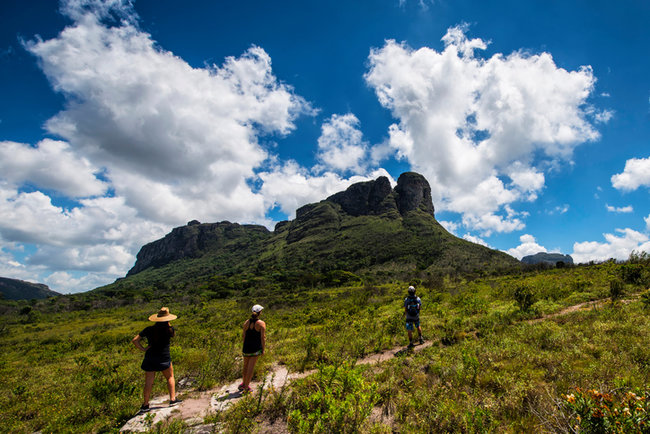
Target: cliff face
(368, 226)
(195, 240)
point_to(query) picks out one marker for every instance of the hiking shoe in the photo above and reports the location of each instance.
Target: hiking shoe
(240, 387)
(421, 340)
(246, 390)
(144, 408)
(174, 402)
(410, 345)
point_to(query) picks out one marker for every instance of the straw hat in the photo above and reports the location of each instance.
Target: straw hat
(162, 315)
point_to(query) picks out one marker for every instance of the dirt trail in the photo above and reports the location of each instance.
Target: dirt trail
(581, 306)
(595, 304)
(197, 405)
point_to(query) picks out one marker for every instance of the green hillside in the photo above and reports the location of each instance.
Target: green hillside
(13, 289)
(507, 356)
(369, 232)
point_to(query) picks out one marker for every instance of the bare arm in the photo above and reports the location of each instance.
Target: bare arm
(263, 334)
(243, 333)
(137, 341)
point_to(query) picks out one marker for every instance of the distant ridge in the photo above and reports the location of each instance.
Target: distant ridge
(13, 289)
(548, 258)
(368, 228)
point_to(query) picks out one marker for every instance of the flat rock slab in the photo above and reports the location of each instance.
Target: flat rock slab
(159, 411)
(194, 408)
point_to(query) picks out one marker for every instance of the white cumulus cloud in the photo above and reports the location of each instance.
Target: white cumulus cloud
(67, 283)
(450, 226)
(341, 147)
(188, 135)
(476, 240)
(527, 247)
(621, 209)
(635, 174)
(482, 130)
(617, 247)
(51, 165)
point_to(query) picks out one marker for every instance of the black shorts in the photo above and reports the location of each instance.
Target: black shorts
(155, 364)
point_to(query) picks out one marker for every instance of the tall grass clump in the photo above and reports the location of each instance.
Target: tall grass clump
(335, 399)
(525, 297)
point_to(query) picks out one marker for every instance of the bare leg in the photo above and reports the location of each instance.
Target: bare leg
(245, 370)
(420, 331)
(250, 367)
(410, 332)
(148, 385)
(171, 382)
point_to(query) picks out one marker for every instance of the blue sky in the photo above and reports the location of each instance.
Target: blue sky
(121, 120)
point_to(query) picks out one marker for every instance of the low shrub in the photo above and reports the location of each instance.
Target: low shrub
(335, 399)
(596, 412)
(525, 297)
(616, 288)
(645, 299)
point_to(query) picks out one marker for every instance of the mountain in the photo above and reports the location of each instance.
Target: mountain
(370, 228)
(12, 289)
(548, 258)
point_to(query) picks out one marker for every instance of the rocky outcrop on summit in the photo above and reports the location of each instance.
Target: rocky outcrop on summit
(413, 192)
(377, 197)
(366, 198)
(195, 240)
(370, 198)
(548, 258)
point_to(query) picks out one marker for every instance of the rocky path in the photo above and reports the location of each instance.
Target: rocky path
(197, 405)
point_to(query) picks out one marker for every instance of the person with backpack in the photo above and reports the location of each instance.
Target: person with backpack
(412, 306)
(156, 355)
(254, 336)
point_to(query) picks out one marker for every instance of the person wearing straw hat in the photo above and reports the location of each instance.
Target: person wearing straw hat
(156, 354)
(254, 337)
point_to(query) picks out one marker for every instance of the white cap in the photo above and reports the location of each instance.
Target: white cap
(411, 289)
(257, 308)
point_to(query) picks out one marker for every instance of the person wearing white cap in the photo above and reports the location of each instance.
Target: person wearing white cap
(254, 337)
(412, 306)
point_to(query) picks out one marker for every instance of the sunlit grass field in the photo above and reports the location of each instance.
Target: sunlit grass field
(491, 368)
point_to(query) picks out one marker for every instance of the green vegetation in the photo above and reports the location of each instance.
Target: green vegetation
(497, 365)
(12, 289)
(595, 412)
(304, 252)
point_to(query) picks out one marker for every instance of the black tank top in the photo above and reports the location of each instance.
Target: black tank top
(253, 338)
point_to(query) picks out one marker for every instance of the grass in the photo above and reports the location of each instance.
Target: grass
(492, 369)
